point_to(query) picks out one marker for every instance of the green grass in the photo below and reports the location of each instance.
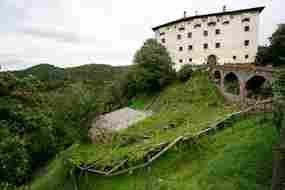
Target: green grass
(238, 158)
(180, 109)
(235, 158)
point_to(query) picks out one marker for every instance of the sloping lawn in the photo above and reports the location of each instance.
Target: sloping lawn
(238, 158)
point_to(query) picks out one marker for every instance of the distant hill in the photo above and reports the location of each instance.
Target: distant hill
(46, 72)
(94, 72)
(43, 72)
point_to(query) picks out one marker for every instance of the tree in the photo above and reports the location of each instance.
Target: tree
(263, 56)
(278, 45)
(153, 67)
(275, 53)
(185, 73)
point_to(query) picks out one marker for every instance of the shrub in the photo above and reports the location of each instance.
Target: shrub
(185, 73)
(273, 54)
(14, 159)
(153, 70)
(279, 103)
(155, 64)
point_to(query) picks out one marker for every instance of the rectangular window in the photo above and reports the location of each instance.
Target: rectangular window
(205, 33)
(180, 60)
(179, 37)
(218, 31)
(246, 28)
(234, 57)
(181, 29)
(205, 46)
(190, 47)
(246, 56)
(163, 40)
(180, 48)
(246, 43)
(190, 35)
(218, 45)
(162, 34)
(190, 59)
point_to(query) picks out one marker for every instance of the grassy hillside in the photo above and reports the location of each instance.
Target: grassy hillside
(182, 108)
(236, 158)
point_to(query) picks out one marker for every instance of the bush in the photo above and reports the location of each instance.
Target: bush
(153, 70)
(14, 159)
(155, 65)
(274, 53)
(185, 73)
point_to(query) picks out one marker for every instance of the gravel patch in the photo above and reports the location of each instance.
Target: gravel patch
(120, 119)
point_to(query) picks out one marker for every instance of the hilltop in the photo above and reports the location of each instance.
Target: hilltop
(46, 72)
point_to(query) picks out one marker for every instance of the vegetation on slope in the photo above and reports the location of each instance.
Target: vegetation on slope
(179, 109)
(236, 158)
(41, 115)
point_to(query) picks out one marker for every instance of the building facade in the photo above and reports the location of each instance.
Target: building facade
(218, 38)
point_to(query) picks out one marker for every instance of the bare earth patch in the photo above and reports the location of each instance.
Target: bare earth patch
(119, 119)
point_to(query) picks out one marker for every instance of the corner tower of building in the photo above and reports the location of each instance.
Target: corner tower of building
(227, 37)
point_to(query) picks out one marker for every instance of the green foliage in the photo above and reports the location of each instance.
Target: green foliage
(152, 71)
(235, 158)
(274, 54)
(137, 104)
(43, 72)
(14, 158)
(263, 56)
(185, 73)
(175, 113)
(36, 124)
(279, 103)
(278, 45)
(73, 112)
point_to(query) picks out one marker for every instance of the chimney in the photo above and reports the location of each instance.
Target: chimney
(224, 8)
(184, 14)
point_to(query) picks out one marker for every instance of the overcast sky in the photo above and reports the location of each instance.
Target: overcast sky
(68, 33)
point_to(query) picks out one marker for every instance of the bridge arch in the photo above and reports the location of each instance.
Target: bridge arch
(231, 83)
(258, 87)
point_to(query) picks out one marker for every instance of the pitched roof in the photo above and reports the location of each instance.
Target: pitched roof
(258, 9)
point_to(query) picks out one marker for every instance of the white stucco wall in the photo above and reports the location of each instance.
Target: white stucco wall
(231, 38)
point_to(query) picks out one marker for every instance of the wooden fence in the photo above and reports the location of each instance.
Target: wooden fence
(164, 147)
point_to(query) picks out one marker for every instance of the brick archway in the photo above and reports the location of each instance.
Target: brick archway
(258, 86)
(231, 83)
(243, 73)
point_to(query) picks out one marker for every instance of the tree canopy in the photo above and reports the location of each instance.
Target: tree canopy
(275, 52)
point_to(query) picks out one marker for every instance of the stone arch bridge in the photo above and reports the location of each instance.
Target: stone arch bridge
(244, 80)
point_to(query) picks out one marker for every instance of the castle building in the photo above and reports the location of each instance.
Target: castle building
(218, 38)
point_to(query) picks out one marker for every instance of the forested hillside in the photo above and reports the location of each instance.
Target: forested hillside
(44, 110)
